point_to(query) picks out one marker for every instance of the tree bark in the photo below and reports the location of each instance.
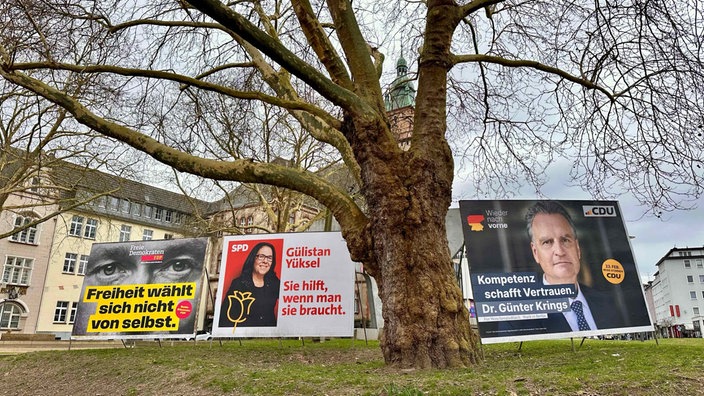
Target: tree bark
(425, 322)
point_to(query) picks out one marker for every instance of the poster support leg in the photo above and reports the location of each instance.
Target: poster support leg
(580, 344)
(572, 342)
(361, 311)
(211, 296)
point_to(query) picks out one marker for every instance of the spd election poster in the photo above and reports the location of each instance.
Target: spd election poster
(285, 285)
(551, 269)
(141, 289)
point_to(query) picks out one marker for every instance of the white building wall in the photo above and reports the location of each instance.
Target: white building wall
(680, 283)
(38, 251)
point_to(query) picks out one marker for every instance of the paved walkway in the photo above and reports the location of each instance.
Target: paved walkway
(15, 347)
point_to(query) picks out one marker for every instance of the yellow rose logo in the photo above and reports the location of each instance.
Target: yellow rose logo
(239, 304)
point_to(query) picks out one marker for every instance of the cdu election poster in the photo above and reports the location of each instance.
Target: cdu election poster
(285, 285)
(551, 269)
(141, 289)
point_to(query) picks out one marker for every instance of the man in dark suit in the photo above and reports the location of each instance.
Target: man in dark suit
(555, 247)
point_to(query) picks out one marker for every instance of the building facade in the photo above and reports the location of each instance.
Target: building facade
(25, 258)
(677, 292)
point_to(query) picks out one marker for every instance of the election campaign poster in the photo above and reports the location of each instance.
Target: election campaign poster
(551, 269)
(141, 289)
(285, 285)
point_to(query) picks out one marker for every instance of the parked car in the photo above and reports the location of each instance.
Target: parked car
(200, 337)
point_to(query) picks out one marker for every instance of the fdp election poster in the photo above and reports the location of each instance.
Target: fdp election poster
(281, 285)
(141, 289)
(551, 269)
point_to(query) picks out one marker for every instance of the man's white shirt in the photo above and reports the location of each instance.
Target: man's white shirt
(571, 317)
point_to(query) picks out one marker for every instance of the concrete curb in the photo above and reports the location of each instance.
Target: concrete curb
(16, 347)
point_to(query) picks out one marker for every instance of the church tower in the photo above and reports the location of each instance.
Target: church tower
(400, 102)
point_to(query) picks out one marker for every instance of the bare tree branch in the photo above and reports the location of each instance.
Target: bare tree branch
(535, 65)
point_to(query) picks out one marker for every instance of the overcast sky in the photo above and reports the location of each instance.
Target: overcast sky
(652, 237)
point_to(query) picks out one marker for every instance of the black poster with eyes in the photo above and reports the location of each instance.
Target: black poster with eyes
(529, 261)
(141, 289)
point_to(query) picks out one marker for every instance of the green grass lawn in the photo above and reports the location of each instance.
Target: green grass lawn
(344, 367)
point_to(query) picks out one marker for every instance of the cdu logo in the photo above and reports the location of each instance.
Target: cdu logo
(599, 211)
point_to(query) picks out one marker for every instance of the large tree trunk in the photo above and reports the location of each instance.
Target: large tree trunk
(408, 194)
(425, 321)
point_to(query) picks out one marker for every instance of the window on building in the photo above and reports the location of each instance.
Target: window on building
(91, 228)
(70, 263)
(695, 310)
(136, 209)
(699, 263)
(168, 216)
(10, 314)
(76, 226)
(101, 201)
(72, 314)
(147, 211)
(27, 235)
(701, 278)
(147, 235)
(17, 270)
(168, 236)
(61, 312)
(292, 219)
(690, 279)
(250, 223)
(688, 264)
(36, 182)
(158, 214)
(243, 222)
(125, 232)
(124, 206)
(693, 295)
(113, 203)
(82, 263)
(178, 218)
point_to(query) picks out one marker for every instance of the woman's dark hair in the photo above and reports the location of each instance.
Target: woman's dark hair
(248, 266)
